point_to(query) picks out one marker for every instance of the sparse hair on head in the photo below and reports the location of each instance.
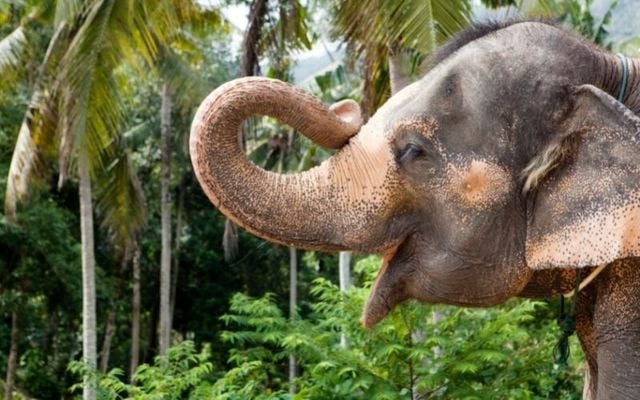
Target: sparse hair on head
(475, 31)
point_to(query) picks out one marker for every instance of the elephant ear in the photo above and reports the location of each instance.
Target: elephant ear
(584, 188)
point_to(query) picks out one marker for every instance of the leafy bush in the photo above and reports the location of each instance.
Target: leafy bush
(174, 376)
(418, 351)
(503, 352)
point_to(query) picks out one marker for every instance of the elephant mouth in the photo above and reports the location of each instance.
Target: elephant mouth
(388, 289)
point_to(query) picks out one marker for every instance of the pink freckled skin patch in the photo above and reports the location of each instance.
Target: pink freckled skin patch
(478, 184)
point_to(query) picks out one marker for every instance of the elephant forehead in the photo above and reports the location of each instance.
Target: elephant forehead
(410, 102)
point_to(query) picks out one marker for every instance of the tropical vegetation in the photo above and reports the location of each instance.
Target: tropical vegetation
(118, 278)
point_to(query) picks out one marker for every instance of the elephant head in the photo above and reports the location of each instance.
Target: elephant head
(502, 159)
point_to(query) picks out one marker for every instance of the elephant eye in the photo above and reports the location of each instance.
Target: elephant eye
(410, 152)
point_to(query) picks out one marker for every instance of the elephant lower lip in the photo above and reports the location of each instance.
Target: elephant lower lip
(379, 304)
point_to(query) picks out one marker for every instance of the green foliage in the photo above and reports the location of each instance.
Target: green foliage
(497, 353)
(577, 14)
(430, 352)
(40, 281)
(499, 3)
(631, 47)
(504, 352)
(174, 376)
(257, 356)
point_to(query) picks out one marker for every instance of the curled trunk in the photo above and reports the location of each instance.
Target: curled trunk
(334, 206)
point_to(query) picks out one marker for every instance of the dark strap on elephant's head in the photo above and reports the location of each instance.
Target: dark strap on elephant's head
(625, 76)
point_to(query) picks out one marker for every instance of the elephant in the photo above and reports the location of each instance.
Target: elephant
(511, 166)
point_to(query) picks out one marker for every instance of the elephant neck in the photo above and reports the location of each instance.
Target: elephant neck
(611, 79)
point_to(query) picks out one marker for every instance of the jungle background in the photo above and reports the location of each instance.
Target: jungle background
(118, 278)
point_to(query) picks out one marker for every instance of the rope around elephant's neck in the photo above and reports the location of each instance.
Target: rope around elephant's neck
(567, 324)
(567, 321)
(625, 76)
(586, 281)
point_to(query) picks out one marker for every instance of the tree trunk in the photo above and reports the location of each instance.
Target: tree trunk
(151, 349)
(135, 312)
(110, 324)
(250, 63)
(293, 304)
(88, 274)
(230, 245)
(345, 273)
(345, 282)
(13, 357)
(49, 346)
(164, 338)
(109, 329)
(176, 250)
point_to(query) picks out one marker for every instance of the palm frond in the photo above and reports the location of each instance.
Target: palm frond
(180, 47)
(410, 23)
(205, 21)
(92, 86)
(160, 20)
(187, 85)
(92, 106)
(66, 11)
(197, 19)
(12, 48)
(288, 32)
(22, 162)
(35, 136)
(120, 200)
(414, 26)
(450, 17)
(37, 130)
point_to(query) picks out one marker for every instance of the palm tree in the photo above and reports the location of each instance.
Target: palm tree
(393, 37)
(165, 216)
(77, 81)
(182, 85)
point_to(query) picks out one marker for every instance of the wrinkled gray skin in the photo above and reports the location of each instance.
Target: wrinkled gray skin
(511, 165)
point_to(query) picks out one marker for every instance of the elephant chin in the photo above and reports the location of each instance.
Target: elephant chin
(387, 291)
